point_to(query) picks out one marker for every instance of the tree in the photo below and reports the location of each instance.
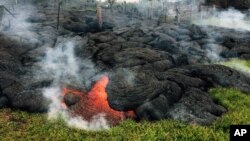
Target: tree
(111, 3)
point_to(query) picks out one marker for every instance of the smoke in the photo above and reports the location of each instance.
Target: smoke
(16, 25)
(62, 66)
(18, 28)
(159, 8)
(213, 55)
(56, 111)
(129, 76)
(98, 122)
(195, 12)
(59, 65)
(230, 18)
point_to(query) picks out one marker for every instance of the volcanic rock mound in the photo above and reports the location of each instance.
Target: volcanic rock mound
(239, 4)
(179, 93)
(157, 71)
(160, 76)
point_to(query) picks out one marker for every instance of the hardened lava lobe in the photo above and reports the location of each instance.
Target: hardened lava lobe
(157, 71)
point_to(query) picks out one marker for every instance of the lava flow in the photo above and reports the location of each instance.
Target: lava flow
(94, 103)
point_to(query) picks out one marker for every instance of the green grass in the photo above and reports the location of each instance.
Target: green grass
(240, 65)
(18, 125)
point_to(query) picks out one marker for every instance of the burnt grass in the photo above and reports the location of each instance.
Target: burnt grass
(172, 67)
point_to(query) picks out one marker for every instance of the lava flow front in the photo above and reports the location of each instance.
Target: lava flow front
(93, 103)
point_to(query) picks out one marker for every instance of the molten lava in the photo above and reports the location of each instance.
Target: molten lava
(95, 102)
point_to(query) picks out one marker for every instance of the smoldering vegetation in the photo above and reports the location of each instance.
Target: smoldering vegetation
(157, 69)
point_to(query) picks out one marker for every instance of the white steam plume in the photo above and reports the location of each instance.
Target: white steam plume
(16, 25)
(63, 67)
(18, 28)
(230, 18)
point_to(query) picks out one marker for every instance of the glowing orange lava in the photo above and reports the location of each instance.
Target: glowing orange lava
(95, 102)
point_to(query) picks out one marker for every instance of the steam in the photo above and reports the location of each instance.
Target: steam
(98, 122)
(18, 27)
(53, 93)
(230, 18)
(213, 55)
(62, 66)
(18, 24)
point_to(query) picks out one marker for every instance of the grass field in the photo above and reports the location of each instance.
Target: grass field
(18, 125)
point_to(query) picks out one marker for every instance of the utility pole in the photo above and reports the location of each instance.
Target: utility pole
(99, 15)
(1, 13)
(164, 12)
(177, 12)
(125, 7)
